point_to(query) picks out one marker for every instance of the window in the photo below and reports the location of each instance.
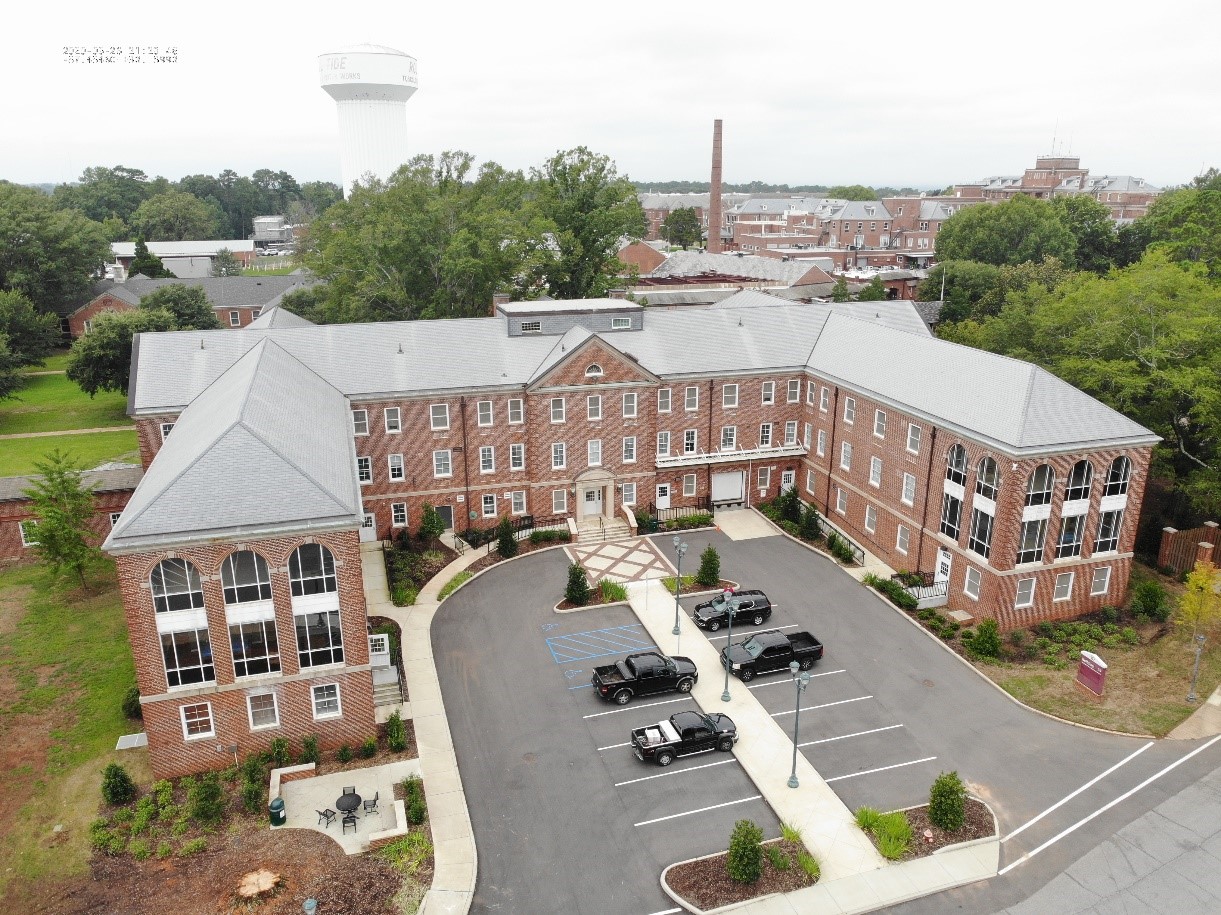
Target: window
(629, 449)
(692, 398)
(1064, 586)
(398, 514)
(629, 493)
(487, 458)
(394, 422)
(824, 400)
(1072, 532)
(262, 711)
(593, 406)
(729, 395)
(629, 406)
(235, 319)
(559, 456)
(360, 422)
(319, 638)
(909, 489)
(442, 465)
(256, 649)
(822, 442)
(188, 657)
(559, 501)
(806, 435)
(1100, 583)
(594, 371)
(244, 578)
(729, 437)
(987, 481)
(395, 464)
(557, 409)
(688, 484)
(790, 432)
(517, 457)
(951, 516)
(1040, 485)
(28, 530)
(971, 587)
(516, 414)
(902, 539)
(1030, 544)
(1025, 593)
(621, 323)
(794, 390)
(849, 410)
(326, 701)
(689, 441)
(875, 471)
(489, 505)
(1078, 484)
(809, 480)
(980, 538)
(166, 429)
(769, 392)
(913, 438)
(871, 518)
(197, 721)
(1118, 475)
(483, 413)
(593, 451)
(765, 435)
(1109, 526)
(809, 393)
(841, 500)
(879, 423)
(176, 586)
(311, 570)
(663, 400)
(364, 470)
(114, 519)
(517, 502)
(439, 416)
(845, 455)
(663, 444)
(956, 465)
(531, 327)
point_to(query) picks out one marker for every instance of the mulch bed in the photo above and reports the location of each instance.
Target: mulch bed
(696, 588)
(978, 825)
(330, 764)
(523, 547)
(706, 883)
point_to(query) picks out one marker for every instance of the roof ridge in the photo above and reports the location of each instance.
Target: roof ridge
(1025, 412)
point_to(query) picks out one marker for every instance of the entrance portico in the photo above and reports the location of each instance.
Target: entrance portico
(595, 496)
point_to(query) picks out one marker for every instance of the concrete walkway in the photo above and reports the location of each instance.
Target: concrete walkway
(1204, 721)
(743, 524)
(68, 432)
(304, 797)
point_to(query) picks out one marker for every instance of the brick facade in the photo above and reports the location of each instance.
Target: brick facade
(14, 511)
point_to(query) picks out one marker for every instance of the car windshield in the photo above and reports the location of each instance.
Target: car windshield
(753, 648)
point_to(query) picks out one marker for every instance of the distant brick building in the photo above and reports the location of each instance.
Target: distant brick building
(112, 487)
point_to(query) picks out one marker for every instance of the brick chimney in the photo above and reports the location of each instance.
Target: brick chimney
(714, 197)
(500, 298)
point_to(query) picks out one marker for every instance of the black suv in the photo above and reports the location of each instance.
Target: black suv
(746, 607)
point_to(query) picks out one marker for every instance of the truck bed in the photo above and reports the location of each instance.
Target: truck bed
(803, 641)
(610, 673)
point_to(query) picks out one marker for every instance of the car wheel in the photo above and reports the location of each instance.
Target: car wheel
(725, 744)
(807, 663)
(624, 696)
(714, 625)
(758, 620)
(685, 684)
(747, 675)
(664, 758)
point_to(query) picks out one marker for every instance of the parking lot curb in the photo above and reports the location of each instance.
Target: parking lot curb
(694, 910)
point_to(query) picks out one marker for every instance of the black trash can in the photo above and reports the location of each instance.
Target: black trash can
(275, 812)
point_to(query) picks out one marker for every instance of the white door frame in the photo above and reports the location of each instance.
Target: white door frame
(663, 501)
(945, 562)
(368, 527)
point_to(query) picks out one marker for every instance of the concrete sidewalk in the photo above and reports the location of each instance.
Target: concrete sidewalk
(1204, 721)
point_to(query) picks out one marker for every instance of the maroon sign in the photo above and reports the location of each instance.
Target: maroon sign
(1092, 672)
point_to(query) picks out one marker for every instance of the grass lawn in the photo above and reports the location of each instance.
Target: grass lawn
(56, 362)
(64, 666)
(18, 455)
(52, 403)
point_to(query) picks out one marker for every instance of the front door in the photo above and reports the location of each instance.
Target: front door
(592, 505)
(447, 515)
(368, 528)
(663, 495)
(944, 561)
(786, 480)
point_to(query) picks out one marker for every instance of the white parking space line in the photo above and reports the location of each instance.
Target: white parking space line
(810, 708)
(615, 746)
(633, 708)
(914, 762)
(790, 682)
(714, 638)
(1103, 809)
(666, 912)
(675, 816)
(1067, 798)
(889, 727)
(648, 778)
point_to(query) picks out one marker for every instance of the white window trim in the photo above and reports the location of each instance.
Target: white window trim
(845, 456)
(841, 500)
(875, 472)
(275, 704)
(1018, 594)
(514, 498)
(1106, 584)
(167, 428)
(449, 460)
(521, 411)
(666, 452)
(398, 420)
(689, 490)
(1072, 580)
(394, 523)
(821, 447)
(919, 438)
(562, 509)
(849, 411)
(688, 406)
(794, 390)
(432, 417)
(725, 400)
(871, 512)
(972, 576)
(521, 449)
(626, 459)
(903, 496)
(368, 463)
(669, 400)
(767, 393)
(25, 536)
(563, 410)
(879, 415)
(824, 399)
(634, 400)
(593, 407)
(488, 501)
(491, 451)
(313, 695)
(589, 452)
(364, 414)
(899, 539)
(479, 414)
(563, 455)
(402, 467)
(182, 718)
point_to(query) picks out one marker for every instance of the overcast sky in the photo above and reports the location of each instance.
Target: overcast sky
(921, 93)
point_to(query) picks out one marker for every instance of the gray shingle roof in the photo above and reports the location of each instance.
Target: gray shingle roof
(222, 291)
(266, 447)
(113, 479)
(693, 263)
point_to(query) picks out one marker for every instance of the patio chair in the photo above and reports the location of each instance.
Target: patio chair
(349, 820)
(371, 803)
(326, 815)
(351, 790)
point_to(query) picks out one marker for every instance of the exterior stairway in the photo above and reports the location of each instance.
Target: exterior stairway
(387, 691)
(600, 530)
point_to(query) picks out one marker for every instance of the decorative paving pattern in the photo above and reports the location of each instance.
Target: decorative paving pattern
(622, 560)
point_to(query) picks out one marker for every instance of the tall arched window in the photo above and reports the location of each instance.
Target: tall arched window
(176, 586)
(987, 480)
(956, 465)
(1040, 486)
(245, 578)
(1117, 477)
(1079, 481)
(311, 570)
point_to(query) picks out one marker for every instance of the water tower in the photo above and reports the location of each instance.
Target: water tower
(370, 85)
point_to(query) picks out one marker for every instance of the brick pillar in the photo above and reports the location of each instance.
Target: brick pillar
(1204, 551)
(714, 197)
(1163, 551)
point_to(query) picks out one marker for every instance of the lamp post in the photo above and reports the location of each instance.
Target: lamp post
(680, 550)
(1191, 695)
(725, 595)
(802, 679)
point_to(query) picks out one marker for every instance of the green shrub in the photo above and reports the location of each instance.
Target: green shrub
(867, 818)
(403, 594)
(205, 800)
(894, 824)
(671, 585)
(309, 750)
(101, 837)
(123, 815)
(892, 590)
(253, 768)
(368, 749)
(408, 853)
(909, 579)
(745, 859)
(455, 583)
(180, 828)
(396, 733)
(778, 858)
(139, 849)
(253, 794)
(164, 849)
(506, 543)
(577, 591)
(131, 703)
(612, 591)
(789, 527)
(987, 640)
(345, 754)
(788, 505)
(169, 813)
(550, 536)
(413, 787)
(709, 574)
(947, 801)
(1150, 601)
(117, 786)
(1129, 636)
(416, 811)
(1109, 614)
(281, 756)
(194, 847)
(811, 526)
(809, 864)
(431, 525)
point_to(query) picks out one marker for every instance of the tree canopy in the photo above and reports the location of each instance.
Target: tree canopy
(873, 291)
(147, 263)
(1186, 223)
(225, 264)
(30, 334)
(63, 506)
(682, 227)
(176, 216)
(105, 193)
(101, 360)
(851, 192)
(978, 291)
(1092, 227)
(189, 306)
(1012, 232)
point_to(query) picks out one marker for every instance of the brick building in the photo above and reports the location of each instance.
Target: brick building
(112, 487)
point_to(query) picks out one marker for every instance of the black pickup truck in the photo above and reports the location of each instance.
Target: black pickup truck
(746, 607)
(642, 675)
(683, 734)
(768, 651)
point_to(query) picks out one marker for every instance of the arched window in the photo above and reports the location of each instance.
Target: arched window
(1040, 486)
(245, 578)
(987, 480)
(176, 586)
(311, 570)
(594, 371)
(1118, 476)
(956, 465)
(1079, 481)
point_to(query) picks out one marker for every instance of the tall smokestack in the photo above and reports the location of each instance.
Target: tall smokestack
(714, 198)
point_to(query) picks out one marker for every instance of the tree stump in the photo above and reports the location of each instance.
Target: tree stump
(257, 884)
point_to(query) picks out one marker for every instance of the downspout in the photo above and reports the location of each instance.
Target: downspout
(466, 467)
(708, 466)
(830, 455)
(928, 486)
